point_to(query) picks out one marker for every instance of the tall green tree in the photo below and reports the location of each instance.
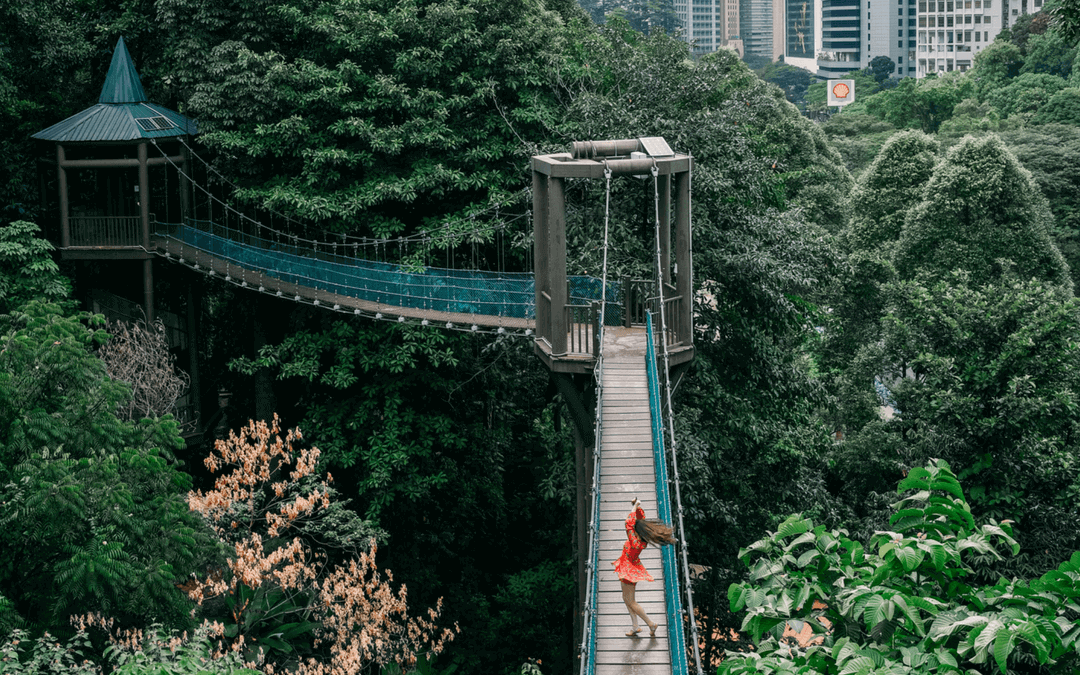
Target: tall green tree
(1060, 109)
(981, 208)
(1049, 53)
(93, 510)
(1052, 154)
(980, 276)
(996, 65)
(884, 194)
(921, 104)
(982, 375)
(1027, 92)
(891, 185)
(376, 118)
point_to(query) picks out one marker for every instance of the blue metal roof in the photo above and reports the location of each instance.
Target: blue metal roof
(122, 83)
(122, 113)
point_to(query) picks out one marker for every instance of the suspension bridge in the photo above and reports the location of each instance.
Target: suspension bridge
(614, 348)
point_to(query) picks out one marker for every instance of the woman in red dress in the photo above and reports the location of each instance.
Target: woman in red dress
(639, 534)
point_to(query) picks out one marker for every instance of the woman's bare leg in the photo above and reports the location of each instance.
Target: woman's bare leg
(628, 598)
(636, 610)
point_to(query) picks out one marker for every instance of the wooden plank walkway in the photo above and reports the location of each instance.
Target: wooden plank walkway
(627, 471)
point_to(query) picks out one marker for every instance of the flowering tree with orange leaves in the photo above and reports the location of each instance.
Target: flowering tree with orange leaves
(287, 603)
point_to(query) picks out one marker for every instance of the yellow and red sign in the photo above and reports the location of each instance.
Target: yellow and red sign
(841, 92)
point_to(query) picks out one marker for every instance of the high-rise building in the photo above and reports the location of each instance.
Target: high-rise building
(855, 32)
(840, 37)
(801, 30)
(802, 33)
(884, 18)
(952, 32)
(709, 24)
(1014, 9)
(756, 27)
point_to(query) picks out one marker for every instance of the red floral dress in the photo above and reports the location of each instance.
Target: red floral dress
(628, 567)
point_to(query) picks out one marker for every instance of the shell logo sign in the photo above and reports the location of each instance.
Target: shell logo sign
(841, 92)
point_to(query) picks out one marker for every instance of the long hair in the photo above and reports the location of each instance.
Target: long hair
(654, 531)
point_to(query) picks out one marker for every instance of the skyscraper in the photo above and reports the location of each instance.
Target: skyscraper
(853, 35)
(840, 37)
(801, 30)
(761, 25)
(709, 24)
(952, 32)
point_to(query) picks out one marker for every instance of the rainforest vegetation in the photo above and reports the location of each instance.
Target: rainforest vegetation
(884, 300)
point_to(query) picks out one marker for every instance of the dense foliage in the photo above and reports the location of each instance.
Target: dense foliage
(908, 599)
(849, 333)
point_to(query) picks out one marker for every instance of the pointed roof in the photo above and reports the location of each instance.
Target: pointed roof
(122, 112)
(122, 83)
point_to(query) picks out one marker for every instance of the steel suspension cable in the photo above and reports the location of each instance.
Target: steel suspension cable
(425, 237)
(671, 424)
(422, 237)
(588, 641)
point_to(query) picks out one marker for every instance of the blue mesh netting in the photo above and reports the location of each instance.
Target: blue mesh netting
(676, 636)
(584, 290)
(505, 294)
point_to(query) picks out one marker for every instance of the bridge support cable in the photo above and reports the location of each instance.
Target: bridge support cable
(664, 500)
(588, 642)
(331, 274)
(429, 237)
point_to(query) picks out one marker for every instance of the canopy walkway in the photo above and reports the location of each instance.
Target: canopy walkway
(106, 210)
(631, 461)
(595, 336)
(451, 298)
(627, 470)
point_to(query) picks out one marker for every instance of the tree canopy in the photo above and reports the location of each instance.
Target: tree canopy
(849, 335)
(981, 209)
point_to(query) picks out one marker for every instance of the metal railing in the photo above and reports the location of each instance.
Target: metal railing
(106, 230)
(672, 308)
(664, 410)
(676, 634)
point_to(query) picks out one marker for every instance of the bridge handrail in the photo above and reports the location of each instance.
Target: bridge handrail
(676, 636)
(678, 654)
(477, 292)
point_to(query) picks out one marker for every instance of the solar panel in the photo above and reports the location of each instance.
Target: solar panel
(656, 146)
(158, 123)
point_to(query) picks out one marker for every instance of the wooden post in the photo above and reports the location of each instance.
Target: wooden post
(144, 213)
(144, 196)
(193, 309)
(683, 250)
(61, 175)
(556, 264)
(626, 301)
(540, 255)
(265, 402)
(185, 186)
(664, 186)
(43, 188)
